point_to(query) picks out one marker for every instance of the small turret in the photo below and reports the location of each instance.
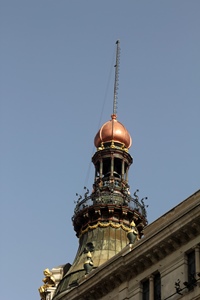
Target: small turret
(109, 219)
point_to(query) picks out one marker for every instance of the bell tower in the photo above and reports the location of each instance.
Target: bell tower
(108, 219)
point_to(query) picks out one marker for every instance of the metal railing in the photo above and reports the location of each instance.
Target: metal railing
(109, 197)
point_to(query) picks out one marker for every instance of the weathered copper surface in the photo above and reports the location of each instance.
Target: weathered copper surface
(107, 243)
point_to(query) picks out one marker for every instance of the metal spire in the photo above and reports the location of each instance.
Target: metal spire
(116, 84)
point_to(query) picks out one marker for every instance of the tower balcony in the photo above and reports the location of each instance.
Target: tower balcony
(111, 202)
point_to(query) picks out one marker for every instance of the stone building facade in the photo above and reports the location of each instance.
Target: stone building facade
(164, 264)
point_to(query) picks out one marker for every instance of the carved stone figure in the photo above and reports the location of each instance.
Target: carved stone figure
(132, 234)
(88, 265)
(49, 281)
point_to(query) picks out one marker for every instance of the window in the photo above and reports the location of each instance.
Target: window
(145, 290)
(191, 269)
(151, 288)
(157, 287)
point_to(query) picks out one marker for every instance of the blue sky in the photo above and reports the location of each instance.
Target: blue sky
(56, 75)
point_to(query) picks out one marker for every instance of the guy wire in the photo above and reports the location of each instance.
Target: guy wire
(101, 115)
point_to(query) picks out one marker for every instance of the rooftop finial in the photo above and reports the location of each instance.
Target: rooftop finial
(116, 77)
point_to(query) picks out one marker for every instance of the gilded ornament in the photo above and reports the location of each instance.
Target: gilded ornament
(132, 234)
(49, 281)
(113, 225)
(88, 264)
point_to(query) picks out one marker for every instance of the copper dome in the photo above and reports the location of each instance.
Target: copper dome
(113, 131)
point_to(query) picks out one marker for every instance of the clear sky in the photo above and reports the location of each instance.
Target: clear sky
(56, 77)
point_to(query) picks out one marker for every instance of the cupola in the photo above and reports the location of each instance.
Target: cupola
(113, 134)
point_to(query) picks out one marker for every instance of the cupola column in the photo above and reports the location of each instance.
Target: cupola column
(96, 177)
(112, 165)
(101, 169)
(127, 174)
(122, 169)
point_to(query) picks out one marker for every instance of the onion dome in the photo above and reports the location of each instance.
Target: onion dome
(113, 132)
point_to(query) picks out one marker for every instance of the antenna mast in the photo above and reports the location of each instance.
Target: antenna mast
(116, 84)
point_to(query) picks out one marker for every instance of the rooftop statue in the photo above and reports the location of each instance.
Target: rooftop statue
(49, 281)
